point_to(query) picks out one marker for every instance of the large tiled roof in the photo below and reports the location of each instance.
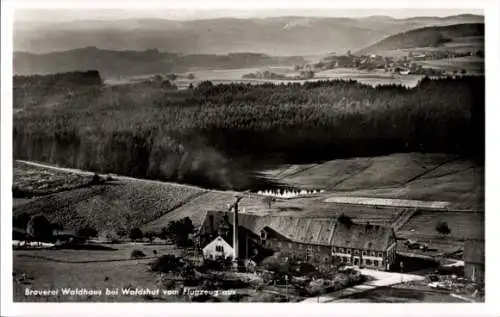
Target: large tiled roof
(310, 230)
(362, 236)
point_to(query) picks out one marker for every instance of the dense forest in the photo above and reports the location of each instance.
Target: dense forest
(214, 135)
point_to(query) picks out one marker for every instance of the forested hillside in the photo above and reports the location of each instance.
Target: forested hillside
(214, 135)
(127, 63)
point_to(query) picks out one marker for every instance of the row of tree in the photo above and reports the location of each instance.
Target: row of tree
(39, 228)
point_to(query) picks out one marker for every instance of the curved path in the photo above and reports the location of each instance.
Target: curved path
(381, 279)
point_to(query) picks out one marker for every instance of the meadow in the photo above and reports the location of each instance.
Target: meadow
(228, 76)
(110, 208)
(471, 64)
(429, 177)
(31, 182)
(89, 269)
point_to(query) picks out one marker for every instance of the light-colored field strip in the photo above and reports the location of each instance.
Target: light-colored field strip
(388, 202)
(118, 177)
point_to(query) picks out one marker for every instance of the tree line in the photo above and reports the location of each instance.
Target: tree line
(212, 135)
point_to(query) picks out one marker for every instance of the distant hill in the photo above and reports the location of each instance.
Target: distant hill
(434, 36)
(293, 35)
(126, 63)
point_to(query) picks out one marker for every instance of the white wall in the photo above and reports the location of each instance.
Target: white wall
(211, 249)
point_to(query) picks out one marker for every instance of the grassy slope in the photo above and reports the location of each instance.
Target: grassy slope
(313, 206)
(120, 204)
(471, 64)
(39, 181)
(463, 225)
(404, 176)
(428, 37)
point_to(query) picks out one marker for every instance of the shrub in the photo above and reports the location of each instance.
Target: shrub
(268, 200)
(40, 228)
(87, 232)
(111, 236)
(208, 284)
(135, 234)
(166, 264)
(96, 179)
(137, 254)
(345, 220)
(150, 235)
(236, 297)
(18, 235)
(216, 265)
(179, 230)
(18, 192)
(442, 228)
(21, 220)
(169, 284)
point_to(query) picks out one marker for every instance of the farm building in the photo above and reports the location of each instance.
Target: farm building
(315, 240)
(220, 224)
(474, 260)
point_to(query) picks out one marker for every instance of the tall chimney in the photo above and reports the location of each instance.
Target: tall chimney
(235, 230)
(212, 225)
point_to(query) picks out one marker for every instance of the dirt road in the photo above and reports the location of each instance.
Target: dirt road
(381, 279)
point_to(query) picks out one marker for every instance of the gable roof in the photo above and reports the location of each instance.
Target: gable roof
(219, 238)
(304, 229)
(474, 251)
(362, 236)
(310, 230)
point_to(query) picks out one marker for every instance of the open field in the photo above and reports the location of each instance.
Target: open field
(429, 177)
(294, 207)
(365, 77)
(53, 269)
(463, 225)
(38, 181)
(222, 76)
(470, 64)
(116, 205)
(372, 78)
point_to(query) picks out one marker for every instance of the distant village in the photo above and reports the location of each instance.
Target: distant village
(403, 65)
(410, 64)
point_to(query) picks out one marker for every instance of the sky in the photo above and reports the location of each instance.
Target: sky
(60, 15)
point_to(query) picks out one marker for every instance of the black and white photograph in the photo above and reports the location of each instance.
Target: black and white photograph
(266, 155)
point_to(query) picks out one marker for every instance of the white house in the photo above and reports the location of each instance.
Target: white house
(218, 248)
